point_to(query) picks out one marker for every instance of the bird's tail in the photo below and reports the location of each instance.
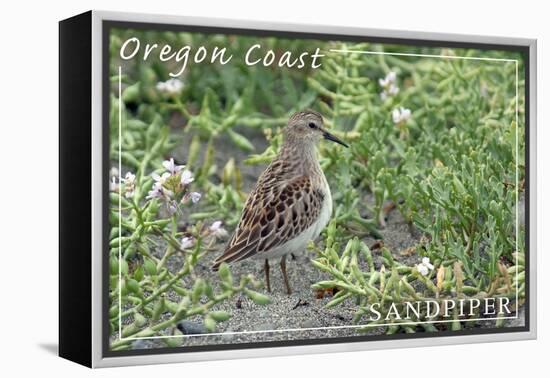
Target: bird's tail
(235, 253)
(221, 259)
(216, 265)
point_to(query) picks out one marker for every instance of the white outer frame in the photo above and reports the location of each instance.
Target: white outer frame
(97, 201)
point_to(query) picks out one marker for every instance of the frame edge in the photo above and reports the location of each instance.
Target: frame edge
(75, 311)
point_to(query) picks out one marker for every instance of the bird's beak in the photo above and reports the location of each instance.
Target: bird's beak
(331, 137)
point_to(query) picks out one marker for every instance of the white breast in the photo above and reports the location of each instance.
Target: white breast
(326, 210)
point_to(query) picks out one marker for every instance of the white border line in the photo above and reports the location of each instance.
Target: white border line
(317, 328)
(517, 186)
(119, 201)
(348, 326)
(422, 55)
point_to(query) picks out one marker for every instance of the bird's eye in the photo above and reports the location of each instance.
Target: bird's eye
(312, 125)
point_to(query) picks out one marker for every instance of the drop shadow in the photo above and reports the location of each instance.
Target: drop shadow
(51, 348)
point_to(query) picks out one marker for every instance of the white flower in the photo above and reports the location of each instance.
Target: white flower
(129, 181)
(113, 172)
(389, 86)
(424, 267)
(160, 179)
(401, 115)
(218, 231)
(186, 177)
(426, 261)
(216, 225)
(129, 178)
(113, 185)
(171, 86)
(195, 196)
(171, 166)
(388, 80)
(393, 90)
(187, 242)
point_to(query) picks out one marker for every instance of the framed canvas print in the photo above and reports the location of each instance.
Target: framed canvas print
(232, 189)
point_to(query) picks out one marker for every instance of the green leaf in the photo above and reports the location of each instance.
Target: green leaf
(138, 273)
(225, 274)
(258, 298)
(219, 316)
(209, 324)
(132, 285)
(139, 319)
(131, 93)
(174, 341)
(240, 140)
(158, 309)
(150, 267)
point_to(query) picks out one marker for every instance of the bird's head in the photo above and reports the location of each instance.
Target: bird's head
(307, 126)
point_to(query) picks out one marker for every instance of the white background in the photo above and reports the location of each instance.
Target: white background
(29, 190)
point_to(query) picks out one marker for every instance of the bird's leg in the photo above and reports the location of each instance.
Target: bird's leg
(266, 271)
(285, 277)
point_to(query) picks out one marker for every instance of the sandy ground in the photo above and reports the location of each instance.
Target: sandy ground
(286, 317)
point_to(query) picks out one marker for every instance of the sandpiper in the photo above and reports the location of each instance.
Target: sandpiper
(291, 202)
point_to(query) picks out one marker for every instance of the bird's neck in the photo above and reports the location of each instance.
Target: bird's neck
(303, 154)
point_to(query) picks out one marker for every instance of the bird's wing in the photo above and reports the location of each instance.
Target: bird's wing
(275, 212)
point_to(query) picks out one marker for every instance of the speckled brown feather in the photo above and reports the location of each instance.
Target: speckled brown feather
(284, 203)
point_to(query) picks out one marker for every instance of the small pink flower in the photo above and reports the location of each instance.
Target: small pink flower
(160, 179)
(155, 192)
(171, 166)
(195, 197)
(218, 231)
(158, 191)
(172, 207)
(187, 177)
(187, 242)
